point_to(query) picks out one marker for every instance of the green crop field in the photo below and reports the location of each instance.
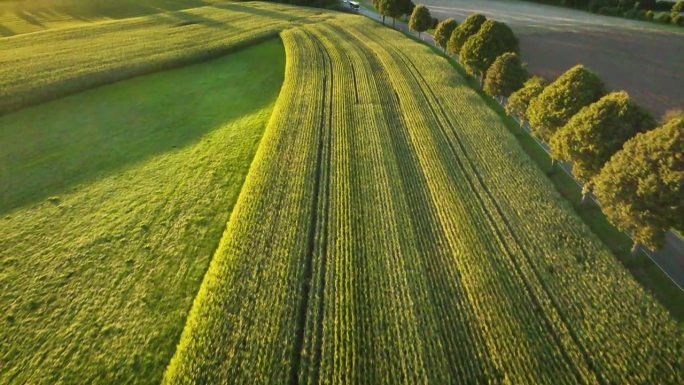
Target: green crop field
(389, 230)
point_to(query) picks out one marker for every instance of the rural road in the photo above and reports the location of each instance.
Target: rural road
(670, 258)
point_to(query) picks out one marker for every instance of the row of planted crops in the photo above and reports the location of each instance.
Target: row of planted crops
(392, 231)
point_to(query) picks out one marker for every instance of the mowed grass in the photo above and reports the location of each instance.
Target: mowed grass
(112, 202)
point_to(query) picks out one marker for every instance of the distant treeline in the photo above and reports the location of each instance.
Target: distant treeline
(595, 5)
(667, 12)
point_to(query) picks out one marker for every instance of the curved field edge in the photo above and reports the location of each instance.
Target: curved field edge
(98, 276)
(205, 353)
(50, 64)
(299, 287)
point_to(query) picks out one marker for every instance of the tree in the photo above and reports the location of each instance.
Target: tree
(675, 113)
(420, 19)
(443, 32)
(641, 188)
(597, 132)
(675, 13)
(560, 100)
(520, 99)
(379, 5)
(480, 50)
(407, 7)
(506, 75)
(470, 26)
(391, 8)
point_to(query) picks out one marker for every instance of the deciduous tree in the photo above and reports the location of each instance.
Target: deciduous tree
(520, 99)
(641, 188)
(470, 26)
(597, 132)
(560, 100)
(506, 75)
(391, 8)
(420, 19)
(443, 32)
(480, 50)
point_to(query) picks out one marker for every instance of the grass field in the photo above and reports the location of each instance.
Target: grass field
(390, 229)
(21, 16)
(42, 66)
(112, 203)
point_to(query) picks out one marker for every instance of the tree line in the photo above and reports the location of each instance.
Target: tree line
(668, 12)
(619, 152)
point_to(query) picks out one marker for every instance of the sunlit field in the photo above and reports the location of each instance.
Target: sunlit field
(257, 193)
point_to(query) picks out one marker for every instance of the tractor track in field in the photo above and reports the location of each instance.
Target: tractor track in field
(409, 174)
(441, 117)
(425, 90)
(318, 222)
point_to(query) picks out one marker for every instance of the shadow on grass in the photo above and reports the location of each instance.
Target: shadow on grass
(121, 9)
(38, 12)
(4, 31)
(644, 271)
(185, 18)
(49, 149)
(256, 11)
(29, 18)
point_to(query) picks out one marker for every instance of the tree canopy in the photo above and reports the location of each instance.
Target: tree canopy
(443, 31)
(641, 188)
(391, 8)
(506, 75)
(480, 50)
(420, 20)
(520, 99)
(470, 26)
(597, 132)
(560, 100)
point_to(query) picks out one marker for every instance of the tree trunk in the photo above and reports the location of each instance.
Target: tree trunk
(393, 21)
(418, 34)
(635, 249)
(383, 19)
(586, 190)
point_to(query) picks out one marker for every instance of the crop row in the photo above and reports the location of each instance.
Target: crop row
(242, 327)
(573, 281)
(426, 251)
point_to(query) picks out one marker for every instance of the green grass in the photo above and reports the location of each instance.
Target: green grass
(43, 66)
(112, 203)
(22, 16)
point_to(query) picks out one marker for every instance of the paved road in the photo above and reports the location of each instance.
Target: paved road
(670, 258)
